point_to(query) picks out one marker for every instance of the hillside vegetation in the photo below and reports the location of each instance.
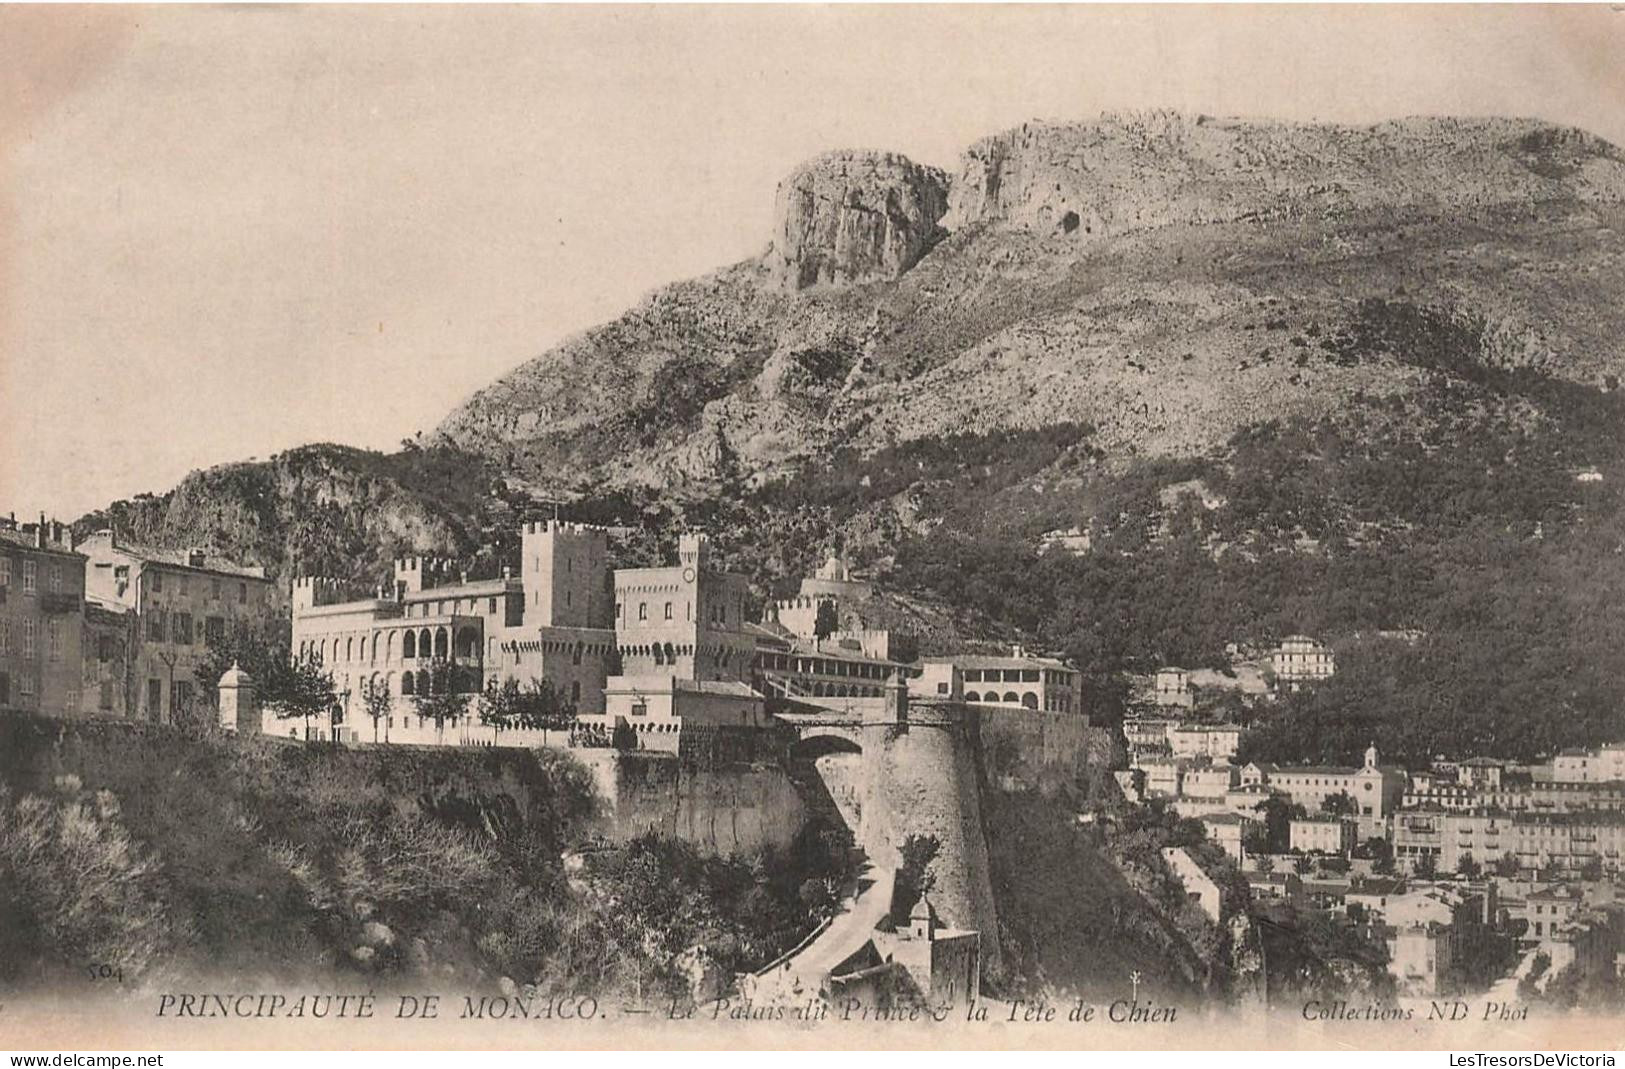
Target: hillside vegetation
(163, 857)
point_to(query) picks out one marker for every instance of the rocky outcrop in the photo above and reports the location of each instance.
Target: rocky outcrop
(1132, 171)
(847, 217)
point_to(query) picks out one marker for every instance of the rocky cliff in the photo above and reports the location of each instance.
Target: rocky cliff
(1163, 278)
(855, 217)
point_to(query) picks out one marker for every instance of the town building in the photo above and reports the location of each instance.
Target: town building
(1283, 886)
(1171, 686)
(1375, 789)
(1227, 830)
(1420, 958)
(835, 579)
(182, 601)
(1217, 741)
(1606, 764)
(1324, 835)
(1301, 659)
(790, 667)
(1148, 732)
(1199, 886)
(1019, 679)
(42, 596)
(108, 684)
(673, 715)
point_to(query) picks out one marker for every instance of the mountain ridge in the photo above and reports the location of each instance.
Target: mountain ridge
(1084, 264)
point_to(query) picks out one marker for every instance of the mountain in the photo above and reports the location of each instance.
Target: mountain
(1150, 389)
(1165, 279)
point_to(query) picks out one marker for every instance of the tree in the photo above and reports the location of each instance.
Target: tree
(1301, 866)
(498, 704)
(1507, 864)
(376, 703)
(1425, 866)
(1340, 804)
(536, 706)
(827, 621)
(543, 707)
(624, 737)
(446, 698)
(1468, 868)
(915, 879)
(1278, 814)
(299, 689)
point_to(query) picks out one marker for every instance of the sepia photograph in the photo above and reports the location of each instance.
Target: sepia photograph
(804, 527)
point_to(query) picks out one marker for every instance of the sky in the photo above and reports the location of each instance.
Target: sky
(226, 231)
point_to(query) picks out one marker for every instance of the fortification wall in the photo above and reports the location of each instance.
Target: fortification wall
(925, 783)
(1028, 749)
(726, 809)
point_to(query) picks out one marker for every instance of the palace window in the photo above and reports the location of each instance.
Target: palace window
(157, 582)
(56, 576)
(668, 610)
(54, 640)
(28, 638)
(643, 610)
(5, 571)
(30, 573)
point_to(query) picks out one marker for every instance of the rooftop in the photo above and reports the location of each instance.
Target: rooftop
(184, 559)
(26, 539)
(976, 661)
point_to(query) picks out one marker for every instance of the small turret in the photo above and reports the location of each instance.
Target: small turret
(922, 920)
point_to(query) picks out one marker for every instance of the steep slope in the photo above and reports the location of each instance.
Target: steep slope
(1140, 274)
(319, 509)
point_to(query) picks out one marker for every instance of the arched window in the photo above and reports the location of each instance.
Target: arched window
(408, 684)
(660, 657)
(441, 643)
(668, 610)
(423, 681)
(349, 648)
(1012, 697)
(643, 610)
(1030, 700)
(972, 696)
(575, 654)
(389, 647)
(409, 648)
(671, 654)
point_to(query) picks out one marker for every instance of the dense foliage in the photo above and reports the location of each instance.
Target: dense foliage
(270, 860)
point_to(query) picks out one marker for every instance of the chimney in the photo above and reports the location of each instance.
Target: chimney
(39, 533)
(195, 558)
